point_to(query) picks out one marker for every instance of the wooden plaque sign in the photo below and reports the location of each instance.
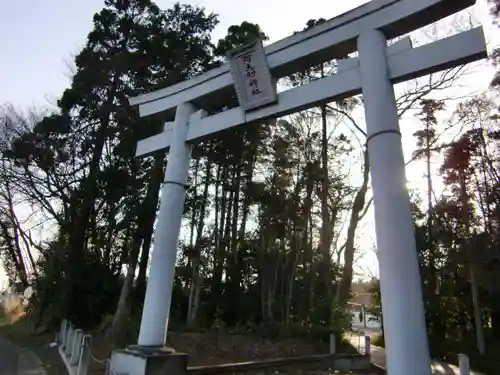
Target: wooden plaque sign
(253, 82)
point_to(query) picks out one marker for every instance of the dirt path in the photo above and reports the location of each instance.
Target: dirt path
(378, 358)
(18, 361)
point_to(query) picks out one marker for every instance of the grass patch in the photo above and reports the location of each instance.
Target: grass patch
(378, 341)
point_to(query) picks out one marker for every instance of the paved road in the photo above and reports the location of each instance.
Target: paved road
(378, 358)
(17, 361)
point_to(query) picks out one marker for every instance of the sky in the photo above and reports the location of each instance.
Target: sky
(39, 39)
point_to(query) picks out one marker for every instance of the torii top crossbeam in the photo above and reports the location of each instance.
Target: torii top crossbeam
(334, 39)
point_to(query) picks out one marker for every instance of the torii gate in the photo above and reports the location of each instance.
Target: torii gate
(365, 29)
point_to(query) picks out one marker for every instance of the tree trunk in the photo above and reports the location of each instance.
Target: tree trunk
(193, 215)
(220, 205)
(27, 246)
(344, 287)
(118, 328)
(478, 322)
(312, 268)
(233, 259)
(21, 268)
(295, 258)
(326, 232)
(150, 207)
(307, 248)
(246, 199)
(14, 254)
(495, 319)
(436, 325)
(476, 304)
(197, 278)
(109, 238)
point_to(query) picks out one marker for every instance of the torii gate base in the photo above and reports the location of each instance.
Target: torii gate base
(374, 74)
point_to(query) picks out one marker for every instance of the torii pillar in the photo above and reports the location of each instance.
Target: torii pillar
(407, 349)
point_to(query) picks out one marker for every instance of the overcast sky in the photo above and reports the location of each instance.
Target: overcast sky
(39, 38)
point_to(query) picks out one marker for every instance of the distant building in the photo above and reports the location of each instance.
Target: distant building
(361, 295)
(362, 298)
(361, 302)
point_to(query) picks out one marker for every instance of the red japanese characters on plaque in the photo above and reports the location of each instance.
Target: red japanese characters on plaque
(252, 79)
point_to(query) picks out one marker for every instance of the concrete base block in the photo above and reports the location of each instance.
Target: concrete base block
(147, 361)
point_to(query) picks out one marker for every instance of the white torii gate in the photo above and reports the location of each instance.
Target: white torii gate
(365, 29)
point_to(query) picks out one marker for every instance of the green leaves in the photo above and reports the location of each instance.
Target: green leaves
(239, 35)
(86, 151)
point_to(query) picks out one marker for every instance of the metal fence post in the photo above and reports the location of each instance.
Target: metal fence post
(83, 363)
(367, 345)
(463, 364)
(75, 349)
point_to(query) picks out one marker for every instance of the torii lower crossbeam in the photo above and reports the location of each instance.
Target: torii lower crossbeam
(404, 63)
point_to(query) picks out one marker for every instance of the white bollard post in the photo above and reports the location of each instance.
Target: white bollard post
(75, 349)
(407, 349)
(367, 344)
(66, 334)
(332, 344)
(69, 340)
(156, 308)
(62, 333)
(332, 350)
(464, 364)
(83, 363)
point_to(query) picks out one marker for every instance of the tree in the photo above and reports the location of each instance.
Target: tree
(426, 146)
(237, 35)
(495, 57)
(133, 46)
